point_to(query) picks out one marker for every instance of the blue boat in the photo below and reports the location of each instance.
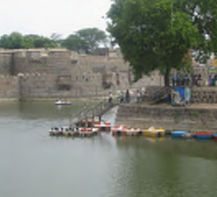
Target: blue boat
(203, 135)
(178, 133)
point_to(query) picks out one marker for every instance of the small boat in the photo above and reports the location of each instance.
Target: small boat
(76, 131)
(178, 133)
(62, 131)
(133, 131)
(88, 131)
(152, 131)
(62, 102)
(203, 135)
(188, 135)
(215, 136)
(105, 126)
(119, 130)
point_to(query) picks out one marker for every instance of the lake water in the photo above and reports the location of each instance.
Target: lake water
(33, 164)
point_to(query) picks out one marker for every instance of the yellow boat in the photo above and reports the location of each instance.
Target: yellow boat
(152, 131)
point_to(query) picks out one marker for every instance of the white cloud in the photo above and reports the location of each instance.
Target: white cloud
(44, 17)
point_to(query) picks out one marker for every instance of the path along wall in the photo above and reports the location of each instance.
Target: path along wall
(168, 117)
(191, 118)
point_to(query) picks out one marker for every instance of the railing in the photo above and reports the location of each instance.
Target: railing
(94, 111)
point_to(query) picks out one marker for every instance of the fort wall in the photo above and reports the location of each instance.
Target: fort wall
(53, 73)
(41, 73)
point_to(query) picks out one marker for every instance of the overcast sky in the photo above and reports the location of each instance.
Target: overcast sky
(44, 17)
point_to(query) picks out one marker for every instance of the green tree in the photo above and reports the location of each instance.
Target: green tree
(12, 41)
(75, 43)
(17, 41)
(204, 15)
(41, 41)
(93, 38)
(155, 34)
(28, 42)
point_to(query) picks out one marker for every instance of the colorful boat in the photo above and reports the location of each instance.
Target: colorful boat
(76, 131)
(87, 131)
(62, 131)
(119, 130)
(133, 131)
(178, 133)
(203, 135)
(152, 131)
(215, 136)
(104, 126)
(188, 135)
(127, 131)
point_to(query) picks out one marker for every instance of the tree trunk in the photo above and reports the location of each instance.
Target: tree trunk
(167, 78)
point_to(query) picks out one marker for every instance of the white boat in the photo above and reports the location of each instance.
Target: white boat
(102, 125)
(62, 102)
(63, 131)
(123, 130)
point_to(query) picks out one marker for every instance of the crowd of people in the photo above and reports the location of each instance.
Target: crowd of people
(178, 80)
(194, 80)
(212, 80)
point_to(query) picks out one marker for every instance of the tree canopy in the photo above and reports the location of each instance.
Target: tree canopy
(158, 34)
(74, 43)
(85, 40)
(17, 41)
(93, 38)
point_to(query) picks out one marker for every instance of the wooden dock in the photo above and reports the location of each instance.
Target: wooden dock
(75, 132)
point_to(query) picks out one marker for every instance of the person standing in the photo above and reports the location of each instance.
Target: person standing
(127, 96)
(110, 97)
(173, 80)
(178, 79)
(137, 95)
(187, 80)
(210, 80)
(121, 97)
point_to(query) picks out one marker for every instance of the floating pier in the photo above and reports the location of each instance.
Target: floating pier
(73, 132)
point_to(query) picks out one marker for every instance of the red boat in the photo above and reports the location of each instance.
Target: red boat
(119, 130)
(106, 126)
(203, 135)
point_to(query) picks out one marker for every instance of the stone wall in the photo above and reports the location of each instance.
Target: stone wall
(56, 73)
(168, 117)
(204, 95)
(198, 94)
(9, 86)
(5, 62)
(45, 71)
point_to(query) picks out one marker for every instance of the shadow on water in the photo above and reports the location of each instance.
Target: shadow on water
(187, 147)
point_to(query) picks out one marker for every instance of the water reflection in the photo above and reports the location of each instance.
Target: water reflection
(204, 140)
(104, 165)
(188, 147)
